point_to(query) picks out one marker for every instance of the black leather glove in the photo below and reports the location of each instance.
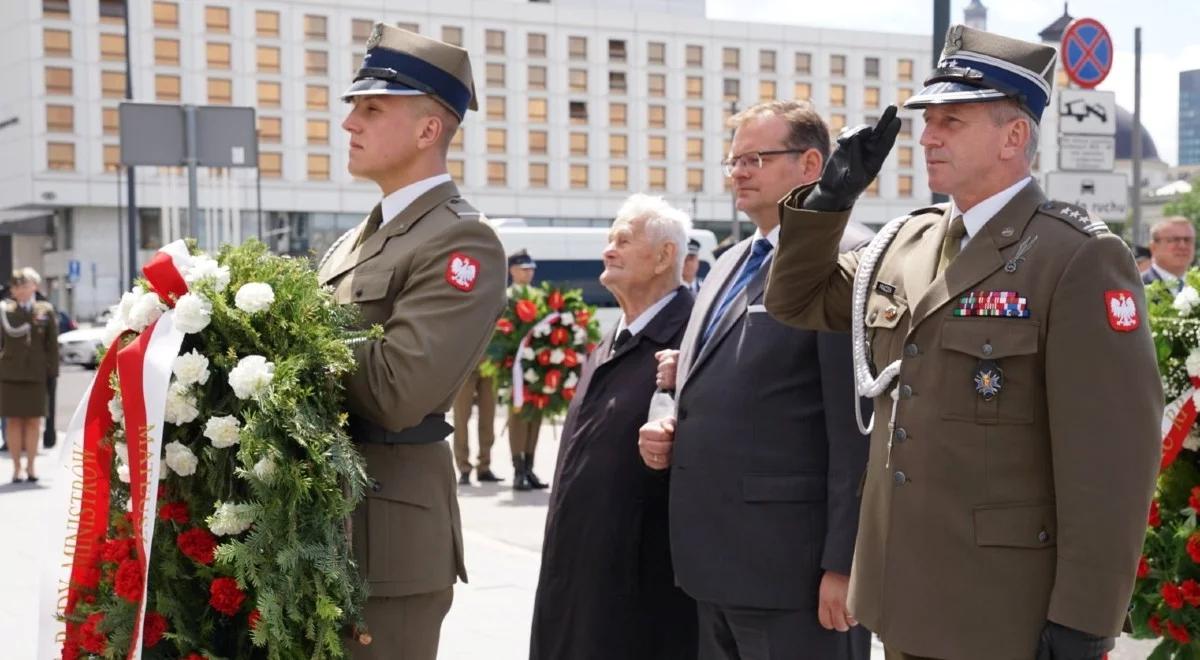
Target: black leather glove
(851, 167)
(1062, 643)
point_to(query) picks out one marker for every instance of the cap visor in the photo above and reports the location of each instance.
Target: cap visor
(374, 86)
(952, 92)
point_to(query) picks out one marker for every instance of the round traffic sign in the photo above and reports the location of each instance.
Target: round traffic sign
(1087, 52)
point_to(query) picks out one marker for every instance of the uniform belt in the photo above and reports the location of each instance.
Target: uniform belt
(431, 429)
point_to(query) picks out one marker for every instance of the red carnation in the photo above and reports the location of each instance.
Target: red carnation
(1143, 568)
(1178, 632)
(253, 619)
(153, 628)
(225, 597)
(1154, 625)
(89, 577)
(568, 393)
(1154, 520)
(553, 379)
(90, 637)
(116, 550)
(526, 310)
(582, 316)
(197, 544)
(1191, 592)
(543, 357)
(128, 583)
(504, 326)
(555, 300)
(1172, 595)
(70, 652)
(194, 656)
(570, 358)
(176, 512)
(559, 336)
(1193, 547)
(508, 362)
(1194, 499)
(541, 400)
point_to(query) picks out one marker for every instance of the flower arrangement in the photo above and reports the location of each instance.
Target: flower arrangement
(537, 351)
(249, 556)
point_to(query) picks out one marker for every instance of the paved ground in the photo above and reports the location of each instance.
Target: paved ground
(490, 617)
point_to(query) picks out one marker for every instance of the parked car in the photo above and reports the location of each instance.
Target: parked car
(66, 323)
(81, 346)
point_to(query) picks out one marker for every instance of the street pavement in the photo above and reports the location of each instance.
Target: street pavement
(502, 530)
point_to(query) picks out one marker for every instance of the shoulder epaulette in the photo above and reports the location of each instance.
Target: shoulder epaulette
(43, 307)
(932, 208)
(462, 209)
(1075, 216)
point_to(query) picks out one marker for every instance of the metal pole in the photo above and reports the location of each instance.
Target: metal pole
(941, 24)
(1135, 190)
(258, 194)
(131, 207)
(189, 122)
(120, 239)
(734, 223)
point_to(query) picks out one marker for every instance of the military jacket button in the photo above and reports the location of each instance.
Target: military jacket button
(905, 392)
(874, 315)
(987, 349)
(900, 435)
(376, 486)
(899, 478)
(911, 350)
(889, 314)
(1043, 536)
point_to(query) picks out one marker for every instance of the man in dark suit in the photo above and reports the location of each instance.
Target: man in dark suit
(1172, 249)
(767, 458)
(607, 589)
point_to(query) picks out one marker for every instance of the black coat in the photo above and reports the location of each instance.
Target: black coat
(607, 589)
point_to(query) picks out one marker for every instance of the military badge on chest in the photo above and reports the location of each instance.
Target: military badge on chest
(989, 379)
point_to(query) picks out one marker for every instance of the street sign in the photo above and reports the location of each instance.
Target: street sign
(151, 134)
(1087, 112)
(1087, 52)
(1104, 194)
(1086, 152)
(73, 271)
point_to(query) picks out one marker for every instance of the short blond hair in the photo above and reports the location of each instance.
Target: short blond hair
(24, 275)
(1167, 222)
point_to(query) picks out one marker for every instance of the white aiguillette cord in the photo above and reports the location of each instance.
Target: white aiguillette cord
(14, 332)
(865, 384)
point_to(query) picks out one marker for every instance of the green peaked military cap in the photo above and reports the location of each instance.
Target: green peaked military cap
(404, 63)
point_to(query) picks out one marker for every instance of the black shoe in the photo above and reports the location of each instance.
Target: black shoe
(533, 478)
(520, 475)
(465, 479)
(487, 476)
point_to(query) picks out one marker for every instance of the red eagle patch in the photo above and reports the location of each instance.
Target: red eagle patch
(461, 271)
(1122, 310)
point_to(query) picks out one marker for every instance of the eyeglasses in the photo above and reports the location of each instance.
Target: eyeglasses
(753, 159)
(1176, 240)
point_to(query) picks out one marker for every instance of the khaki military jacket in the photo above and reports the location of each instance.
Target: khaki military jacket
(32, 357)
(985, 516)
(433, 277)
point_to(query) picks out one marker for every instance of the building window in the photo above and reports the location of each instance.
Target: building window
(456, 141)
(695, 119)
(166, 52)
(216, 19)
(270, 165)
(56, 43)
(618, 146)
(618, 177)
(266, 23)
(270, 129)
(695, 180)
(539, 175)
(804, 63)
(906, 129)
(617, 114)
(616, 50)
(579, 177)
(732, 89)
(316, 97)
(411, 27)
(497, 141)
(317, 131)
(60, 9)
(497, 173)
(904, 156)
(902, 95)
(766, 61)
(695, 149)
(658, 178)
(60, 156)
(495, 74)
(870, 97)
(616, 82)
(220, 91)
(535, 44)
(577, 80)
(494, 41)
(731, 59)
(220, 56)
(836, 123)
(656, 84)
(537, 110)
(694, 56)
(268, 58)
(360, 29)
(802, 91)
(455, 169)
(656, 53)
(837, 65)
(577, 48)
(904, 185)
(112, 47)
(60, 81)
(766, 90)
(496, 107)
(538, 142)
(577, 111)
(656, 147)
(166, 15)
(837, 96)
(315, 27)
(166, 88)
(110, 120)
(871, 67)
(579, 144)
(695, 87)
(269, 94)
(112, 159)
(904, 69)
(453, 35)
(656, 116)
(316, 62)
(318, 167)
(60, 118)
(537, 77)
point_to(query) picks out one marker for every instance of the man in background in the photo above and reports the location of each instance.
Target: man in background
(1172, 250)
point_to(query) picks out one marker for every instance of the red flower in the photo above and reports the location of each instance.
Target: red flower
(568, 393)
(1154, 625)
(541, 400)
(559, 336)
(197, 544)
(252, 620)
(504, 326)
(1194, 499)
(555, 300)
(553, 379)
(570, 358)
(543, 357)
(174, 511)
(1172, 595)
(1143, 568)
(1191, 592)
(582, 316)
(508, 362)
(88, 578)
(194, 656)
(116, 550)
(1178, 632)
(1154, 520)
(128, 583)
(162, 491)
(70, 652)
(153, 628)
(526, 310)
(224, 596)
(90, 638)
(1193, 547)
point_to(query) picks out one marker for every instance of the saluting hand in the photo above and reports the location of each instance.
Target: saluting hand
(831, 606)
(853, 165)
(655, 440)
(667, 359)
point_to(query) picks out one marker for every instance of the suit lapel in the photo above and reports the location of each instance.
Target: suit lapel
(737, 308)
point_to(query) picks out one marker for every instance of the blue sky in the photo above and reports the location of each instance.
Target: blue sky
(1170, 37)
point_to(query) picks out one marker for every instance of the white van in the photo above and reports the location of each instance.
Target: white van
(570, 257)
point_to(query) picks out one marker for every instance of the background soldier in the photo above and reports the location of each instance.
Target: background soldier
(691, 267)
(478, 390)
(523, 431)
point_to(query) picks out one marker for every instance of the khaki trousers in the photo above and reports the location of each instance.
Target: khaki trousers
(523, 433)
(482, 392)
(404, 628)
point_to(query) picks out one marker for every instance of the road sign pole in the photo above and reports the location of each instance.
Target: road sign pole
(189, 120)
(1135, 192)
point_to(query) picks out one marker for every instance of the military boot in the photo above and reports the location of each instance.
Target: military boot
(533, 479)
(520, 474)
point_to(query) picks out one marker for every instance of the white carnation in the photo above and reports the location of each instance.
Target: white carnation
(117, 412)
(1192, 441)
(122, 451)
(557, 356)
(231, 519)
(206, 268)
(541, 329)
(193, 313)
(527, 353)
(567, 318)
(180, 459)
(122, 309)
(571, 381)
(264, 469)
(254, 297)
(1186, 300)
(581, 336)
(223, 431)
(123, 473)
(251, 376)
(112, 330)
(181, 405)
(190, 368)
(1193, 363)
(145, 311)
(530, 376)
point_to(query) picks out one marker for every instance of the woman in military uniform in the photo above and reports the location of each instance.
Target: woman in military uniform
(28, 356)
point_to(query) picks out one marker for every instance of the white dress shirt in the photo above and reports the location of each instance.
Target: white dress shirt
(644, 319)
(399, 200)
(978, 215)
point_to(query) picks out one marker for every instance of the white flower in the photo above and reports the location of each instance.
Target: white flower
(204, 267)
(112, 330)
(1186, 300)
(145, 311)
(557, 356)
(122, 309)
(1193, 363)
(180, 459)
(527, 353)
(251, 376)
(123, 473)
(223, 431)
(566, 318)
(530, 376)
(254, 297)
(181, 405)
(190, 368)
(1196, 398)
(264, 469)
(1192, 441)
(117, 412)
(580, 336)
(571, 381)
(541, 329)
(231, 519)
(122, 451)
(193, 313)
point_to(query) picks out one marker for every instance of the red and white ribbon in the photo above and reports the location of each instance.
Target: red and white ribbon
(1178, 419)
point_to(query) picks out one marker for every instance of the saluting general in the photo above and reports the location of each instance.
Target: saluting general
(1004, 339)
(425, 268)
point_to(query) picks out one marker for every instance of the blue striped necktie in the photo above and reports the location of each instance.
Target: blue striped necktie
(758, 255)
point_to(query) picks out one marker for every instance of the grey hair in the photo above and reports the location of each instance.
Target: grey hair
(1008, 110)
(663, 224)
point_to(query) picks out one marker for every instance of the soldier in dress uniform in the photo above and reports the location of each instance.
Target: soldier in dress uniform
(1004, 339)
(479, 390)
(424, 267)
(523, 432)
(691, 267)
(28, 360)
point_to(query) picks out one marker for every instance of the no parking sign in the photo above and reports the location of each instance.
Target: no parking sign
(1087, 52)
